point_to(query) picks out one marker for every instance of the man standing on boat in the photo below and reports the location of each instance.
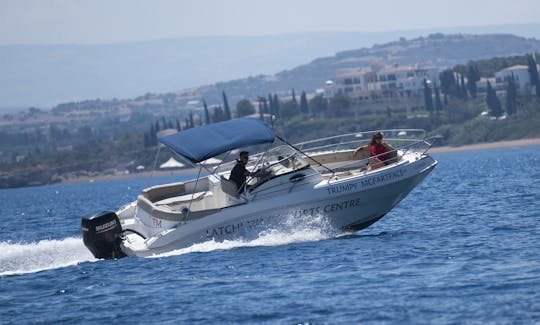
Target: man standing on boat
(239, 173)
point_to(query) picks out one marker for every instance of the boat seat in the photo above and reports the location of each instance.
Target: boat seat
(166, 213)
(229, 187)
(183, 198)
(160, 192)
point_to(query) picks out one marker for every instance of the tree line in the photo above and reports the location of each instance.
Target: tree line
(460, 82)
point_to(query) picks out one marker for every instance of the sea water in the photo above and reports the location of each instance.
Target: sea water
(463, 247)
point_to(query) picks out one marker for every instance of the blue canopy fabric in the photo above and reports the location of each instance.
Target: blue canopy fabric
(204, 142)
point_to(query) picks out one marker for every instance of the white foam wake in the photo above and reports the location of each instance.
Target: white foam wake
(21, 258)
(294, 230)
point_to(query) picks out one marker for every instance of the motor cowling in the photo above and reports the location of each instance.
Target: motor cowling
(101, 234)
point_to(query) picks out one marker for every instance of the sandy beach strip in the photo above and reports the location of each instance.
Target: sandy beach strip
(487, 145)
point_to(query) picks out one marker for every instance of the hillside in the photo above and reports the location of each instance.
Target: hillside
(434, 50)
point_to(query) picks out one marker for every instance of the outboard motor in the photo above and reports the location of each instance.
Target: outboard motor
(101, 234)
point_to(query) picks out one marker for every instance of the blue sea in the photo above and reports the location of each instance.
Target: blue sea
(463, 247)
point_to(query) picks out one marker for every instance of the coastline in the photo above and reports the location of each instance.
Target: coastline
(144, 174)
(434, 150)
(487, 146)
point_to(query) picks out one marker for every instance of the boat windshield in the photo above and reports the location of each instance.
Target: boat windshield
(282, 160)
(276, 162)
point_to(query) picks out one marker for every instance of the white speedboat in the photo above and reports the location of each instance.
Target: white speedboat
(319, 178)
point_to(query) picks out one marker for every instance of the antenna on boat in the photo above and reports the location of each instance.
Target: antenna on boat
(305, 154)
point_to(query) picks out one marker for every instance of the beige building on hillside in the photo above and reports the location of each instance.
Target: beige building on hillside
(368, 84)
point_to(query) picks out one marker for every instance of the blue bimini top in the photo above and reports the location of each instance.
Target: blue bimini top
(204, 142)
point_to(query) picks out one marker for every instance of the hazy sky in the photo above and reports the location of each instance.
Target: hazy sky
(105, 21)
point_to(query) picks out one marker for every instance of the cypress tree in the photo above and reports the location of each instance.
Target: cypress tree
(473, 75)
(304, 103)
(533, 74)
(178, 127)
(153, 135)
(191, 122)
(228, 115)
(276, 105)
(493, 102)
(206, 113)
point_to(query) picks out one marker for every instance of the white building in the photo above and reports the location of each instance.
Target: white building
(521, 77)
(499, 82)
(380, 84)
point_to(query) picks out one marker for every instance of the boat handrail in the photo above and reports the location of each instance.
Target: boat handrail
(403, 149)
(404, 132)
(356, 142)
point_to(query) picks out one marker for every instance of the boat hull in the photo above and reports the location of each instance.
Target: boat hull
(346, 203)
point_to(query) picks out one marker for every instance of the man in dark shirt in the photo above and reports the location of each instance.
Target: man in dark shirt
(239, 173)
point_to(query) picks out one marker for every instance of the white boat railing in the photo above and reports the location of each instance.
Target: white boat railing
(353, 140)
(403, 140)
(401, 149)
